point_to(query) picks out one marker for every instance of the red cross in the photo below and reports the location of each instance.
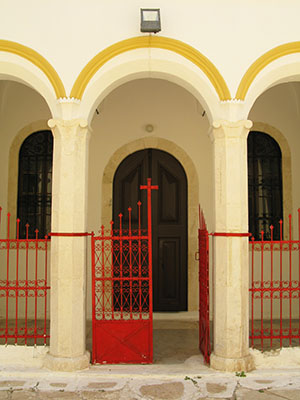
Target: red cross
(149, 187)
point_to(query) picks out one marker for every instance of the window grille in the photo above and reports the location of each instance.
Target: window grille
(264, 185)
(35, 184)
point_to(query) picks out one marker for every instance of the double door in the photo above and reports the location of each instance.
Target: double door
(169, 205)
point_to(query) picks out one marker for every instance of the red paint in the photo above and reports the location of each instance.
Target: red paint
(275, 289)
(69, 234)
(203, 257)
(231, 234)
(122, 290)
(25, 283)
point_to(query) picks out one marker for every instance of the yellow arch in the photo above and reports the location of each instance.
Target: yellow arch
(38, 60)
(261, 63)
(151, 41)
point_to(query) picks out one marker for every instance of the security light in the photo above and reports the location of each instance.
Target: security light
(150, 20)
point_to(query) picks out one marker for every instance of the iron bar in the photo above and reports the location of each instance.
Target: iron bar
(122, 291)
(22, 282)
(140, 258)
(93, 293)
(130, 264)
(17, 280)
(275, 289)
(203, 252)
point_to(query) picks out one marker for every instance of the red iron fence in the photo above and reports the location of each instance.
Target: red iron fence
(24, 288)
(203, 257)
(274, 290)
(122, 290)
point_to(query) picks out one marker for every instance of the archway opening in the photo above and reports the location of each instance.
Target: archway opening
(159, 115)
(275, 115)
(25, 268)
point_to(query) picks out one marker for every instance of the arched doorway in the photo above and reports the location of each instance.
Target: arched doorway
(169, 220)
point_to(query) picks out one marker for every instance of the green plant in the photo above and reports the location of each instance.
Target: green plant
(188, 378)
(241, 374)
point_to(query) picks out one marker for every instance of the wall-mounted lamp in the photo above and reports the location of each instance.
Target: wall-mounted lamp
(150, 20)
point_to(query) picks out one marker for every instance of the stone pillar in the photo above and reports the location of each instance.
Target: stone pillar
(68, 253)
(231, 253)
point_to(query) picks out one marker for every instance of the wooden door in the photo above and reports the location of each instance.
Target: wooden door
(169, 220)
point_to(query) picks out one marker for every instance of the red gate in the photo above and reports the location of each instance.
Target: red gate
(24, 288)
(122, 291)
(203, 257)
(275, 289)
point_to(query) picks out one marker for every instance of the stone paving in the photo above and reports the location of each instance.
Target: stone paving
(113, 383)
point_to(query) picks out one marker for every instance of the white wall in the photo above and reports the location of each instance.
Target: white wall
(231, 34)
(123, 116)
(20, 107)
(279, 107)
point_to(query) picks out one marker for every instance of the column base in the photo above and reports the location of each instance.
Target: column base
(67, 364)
(232, 364)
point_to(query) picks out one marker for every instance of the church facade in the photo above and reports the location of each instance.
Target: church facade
(112, 105)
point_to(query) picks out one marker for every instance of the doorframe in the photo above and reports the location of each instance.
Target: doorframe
(192, 198)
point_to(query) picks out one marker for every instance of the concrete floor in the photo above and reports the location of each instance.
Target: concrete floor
(175, 335)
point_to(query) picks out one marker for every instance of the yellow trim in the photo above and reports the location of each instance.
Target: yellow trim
(262, 62)
(156, 42)
(38, 60)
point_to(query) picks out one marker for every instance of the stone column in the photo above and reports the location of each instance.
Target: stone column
(231, 254)
(68, 253)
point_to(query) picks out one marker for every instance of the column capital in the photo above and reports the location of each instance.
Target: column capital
(70, 135)
(222, 129)
(73, 123)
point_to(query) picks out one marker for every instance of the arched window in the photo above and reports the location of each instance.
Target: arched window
(264, 185)
(35, 184)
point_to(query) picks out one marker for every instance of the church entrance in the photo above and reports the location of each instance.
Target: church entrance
(169, 206)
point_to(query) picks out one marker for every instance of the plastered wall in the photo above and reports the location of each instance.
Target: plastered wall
(279, 108)
(22, 112)
(123, 116)
(223, 31)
